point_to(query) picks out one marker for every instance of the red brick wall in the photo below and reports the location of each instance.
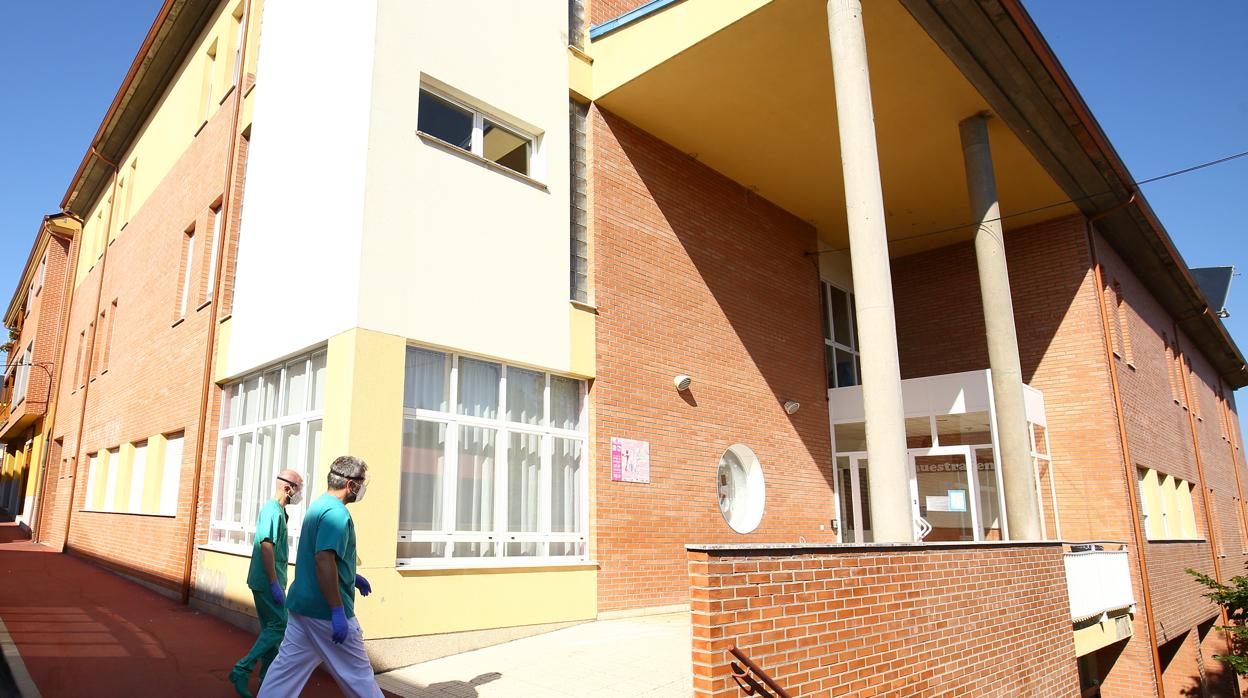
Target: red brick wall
(697, 275)
(606, 10)
(1177, 601)
(154, 374)
(959, 621)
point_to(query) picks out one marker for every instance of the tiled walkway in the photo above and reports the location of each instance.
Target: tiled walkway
(646, 656)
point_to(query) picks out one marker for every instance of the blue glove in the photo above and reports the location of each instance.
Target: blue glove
(279, 594)
(362, 584)
(338, 618)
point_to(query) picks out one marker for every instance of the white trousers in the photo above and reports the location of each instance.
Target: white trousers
(308, 643)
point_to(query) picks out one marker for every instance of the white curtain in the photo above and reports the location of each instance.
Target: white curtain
(296, 399)
(565, 402)
(420, 480)
(524, 467)
(524, 395)
(424, 380)
(475, 496)
(565, 504)
(478, 388)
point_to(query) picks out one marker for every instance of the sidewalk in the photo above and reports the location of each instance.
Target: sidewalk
(82, 631)
(647, 656)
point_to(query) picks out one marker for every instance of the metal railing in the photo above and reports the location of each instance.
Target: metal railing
(748, 674)
(1098, 580)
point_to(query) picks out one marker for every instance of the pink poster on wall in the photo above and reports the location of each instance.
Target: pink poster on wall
(630, 460)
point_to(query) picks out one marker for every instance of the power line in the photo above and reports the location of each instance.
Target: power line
(1074, 200)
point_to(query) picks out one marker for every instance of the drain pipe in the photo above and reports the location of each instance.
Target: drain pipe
(227, 208)
(90, 353)
(1133, 502)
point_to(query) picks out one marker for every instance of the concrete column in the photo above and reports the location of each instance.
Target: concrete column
(1014, 447)
(891, 511)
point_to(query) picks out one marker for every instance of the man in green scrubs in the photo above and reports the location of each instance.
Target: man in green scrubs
(267, 579)
(323, 627)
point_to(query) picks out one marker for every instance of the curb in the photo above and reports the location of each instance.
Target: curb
(13, 673)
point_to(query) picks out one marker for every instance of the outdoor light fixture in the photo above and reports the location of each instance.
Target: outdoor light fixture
(791, 406)
(682, 382)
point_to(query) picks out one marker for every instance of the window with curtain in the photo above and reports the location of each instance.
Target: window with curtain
(492, 464)
(270, 421)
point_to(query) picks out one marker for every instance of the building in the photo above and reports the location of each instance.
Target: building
(599, 291)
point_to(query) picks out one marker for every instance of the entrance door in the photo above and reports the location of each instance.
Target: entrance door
(854, 486)
(942, 490)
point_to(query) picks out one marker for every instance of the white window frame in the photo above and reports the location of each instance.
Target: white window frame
(21, 379)
(503, 429)
(479, 117)
(221, 521)
(825, 288)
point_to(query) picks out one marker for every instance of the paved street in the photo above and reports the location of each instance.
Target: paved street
(82, 631)
(645, 656)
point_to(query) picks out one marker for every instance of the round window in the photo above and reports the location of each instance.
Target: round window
(742, 494)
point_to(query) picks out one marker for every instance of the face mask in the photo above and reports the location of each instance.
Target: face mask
(359, 494)
(295, 497)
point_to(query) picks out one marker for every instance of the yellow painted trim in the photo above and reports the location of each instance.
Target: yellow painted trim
(582, 355)
(1151, 491)
(101, 479)
(580, 74)
(121, 500)
(628, 52)
(222, 579)
(153, 477)
(423, 603)
(1093, 637)
(364, 418)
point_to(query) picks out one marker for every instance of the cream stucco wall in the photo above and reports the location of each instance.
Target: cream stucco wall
(457, 254)
(298, 271)
(169, 130)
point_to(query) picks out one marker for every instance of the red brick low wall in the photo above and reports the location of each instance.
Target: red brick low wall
(958, 620)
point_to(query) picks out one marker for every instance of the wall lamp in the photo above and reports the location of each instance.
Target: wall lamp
(791, 406)
(682, 382)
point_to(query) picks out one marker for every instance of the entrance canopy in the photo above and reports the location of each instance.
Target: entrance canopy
(747, 89)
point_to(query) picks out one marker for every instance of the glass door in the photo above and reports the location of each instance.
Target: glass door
(853, 487)
(942, 489)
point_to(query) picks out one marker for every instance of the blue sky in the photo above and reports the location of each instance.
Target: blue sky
(1169, 87)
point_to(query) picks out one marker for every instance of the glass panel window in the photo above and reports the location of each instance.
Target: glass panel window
(918, 432)
(445, 121)
(269, 385)
(271, 421)
(525, 390)
(475, 132)
(425, 379)
(420, 481)
(565, 483)
(474, 510)
(565, 403)
(989, 499)
(524, 468)
(850, 437)
(296, 398)
(501, 475)
(840, 316)
(1039, 443)
(970, 429)
(478, 388)
(505, 148)
(317, 381)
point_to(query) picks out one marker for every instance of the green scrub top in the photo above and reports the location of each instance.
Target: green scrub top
(270, 526)
(326, 526)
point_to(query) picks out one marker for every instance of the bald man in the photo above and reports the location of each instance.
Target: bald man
(267, 579)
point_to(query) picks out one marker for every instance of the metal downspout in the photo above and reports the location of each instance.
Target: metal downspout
(90, 354)
(227, 206)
